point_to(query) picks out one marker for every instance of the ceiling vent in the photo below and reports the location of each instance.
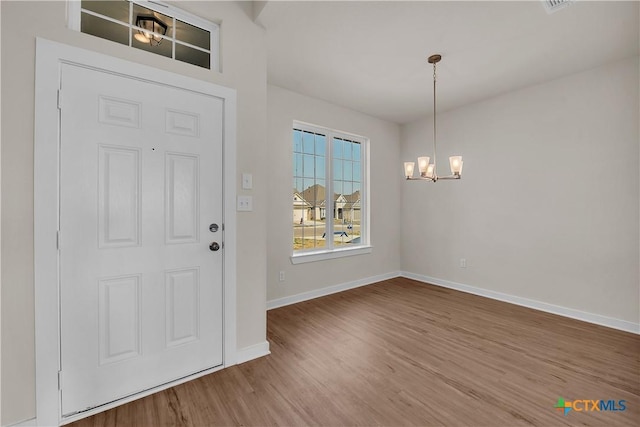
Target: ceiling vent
(555, 5)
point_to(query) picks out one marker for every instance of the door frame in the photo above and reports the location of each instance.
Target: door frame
(49, 57)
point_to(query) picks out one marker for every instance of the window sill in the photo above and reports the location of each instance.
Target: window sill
(304, 257)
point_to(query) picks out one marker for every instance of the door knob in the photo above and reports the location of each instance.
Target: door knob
(214, 246)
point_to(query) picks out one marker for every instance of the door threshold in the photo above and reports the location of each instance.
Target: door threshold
(75, 416)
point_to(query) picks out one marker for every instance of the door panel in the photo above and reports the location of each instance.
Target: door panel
(182, 198)
(119, 196)
(182, 289)
(140, 182)
(119, 311)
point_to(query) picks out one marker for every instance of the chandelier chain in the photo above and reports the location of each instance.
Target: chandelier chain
(435, 164)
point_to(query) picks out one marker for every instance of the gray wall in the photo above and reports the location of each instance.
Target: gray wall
(548, 205)
(244, 68)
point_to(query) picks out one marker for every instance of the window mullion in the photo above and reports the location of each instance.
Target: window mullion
(329, 193)
(131, 24)
(74, 10)
(173, 41)
(364, 191)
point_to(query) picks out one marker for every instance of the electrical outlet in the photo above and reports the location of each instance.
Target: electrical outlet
(463, 263)
(281, 276)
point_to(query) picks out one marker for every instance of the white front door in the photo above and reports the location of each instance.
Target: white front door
(140, 184)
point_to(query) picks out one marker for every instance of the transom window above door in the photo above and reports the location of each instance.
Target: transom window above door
(152, 26)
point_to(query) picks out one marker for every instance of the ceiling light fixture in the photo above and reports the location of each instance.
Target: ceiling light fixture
(428, 170)
(151, 29)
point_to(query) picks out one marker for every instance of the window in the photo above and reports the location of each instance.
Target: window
(151, 26)
(330, 208)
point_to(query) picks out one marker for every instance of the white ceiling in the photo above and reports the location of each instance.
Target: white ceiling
(371, 56)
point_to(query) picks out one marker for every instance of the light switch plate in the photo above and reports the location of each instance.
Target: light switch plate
(247, 181)
(245, 204)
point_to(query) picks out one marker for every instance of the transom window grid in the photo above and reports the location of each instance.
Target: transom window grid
(328, 214)
(188, 38)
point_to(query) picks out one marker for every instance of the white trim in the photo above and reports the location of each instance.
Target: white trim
(0, 241)
(49, 57)
(253, 352)
(364, 196)
(230, 227)
(303, 257)
(597, 319)
(323, 130)
(305, 296)
(74, 8)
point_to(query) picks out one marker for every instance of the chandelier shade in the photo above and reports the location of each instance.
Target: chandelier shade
(408, 168)
(455, 162)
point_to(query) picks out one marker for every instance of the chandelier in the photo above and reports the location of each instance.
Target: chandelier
(151, 29)
(428, 170)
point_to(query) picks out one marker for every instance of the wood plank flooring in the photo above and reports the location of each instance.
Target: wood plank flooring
(400, 352)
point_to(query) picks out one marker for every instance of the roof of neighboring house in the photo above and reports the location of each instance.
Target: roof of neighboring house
(352, 201)
(315, 196)
(353, 197)
(315, 193)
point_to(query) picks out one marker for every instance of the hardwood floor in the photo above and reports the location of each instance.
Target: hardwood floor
(403, 353)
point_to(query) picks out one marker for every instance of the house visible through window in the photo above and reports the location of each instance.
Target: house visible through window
(329, 209)
(151, 26)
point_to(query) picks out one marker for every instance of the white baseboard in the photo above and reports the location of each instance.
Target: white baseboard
(305, 296)
(252, 352)
(597, 319)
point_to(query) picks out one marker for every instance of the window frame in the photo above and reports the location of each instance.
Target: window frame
(332, 251)
(74, 18)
